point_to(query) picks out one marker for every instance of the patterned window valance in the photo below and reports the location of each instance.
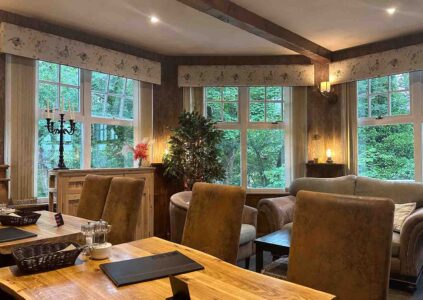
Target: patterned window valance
(35, 44)
(379, 64)
(285, 75)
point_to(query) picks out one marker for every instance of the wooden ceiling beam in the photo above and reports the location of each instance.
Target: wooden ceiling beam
(380, 46)
(240, 17)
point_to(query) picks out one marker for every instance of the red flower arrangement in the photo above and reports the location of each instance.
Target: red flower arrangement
(141, 151)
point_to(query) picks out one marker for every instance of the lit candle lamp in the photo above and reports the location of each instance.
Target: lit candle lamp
(329, 156)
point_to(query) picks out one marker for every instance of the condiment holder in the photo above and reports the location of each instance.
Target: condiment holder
(96, 239)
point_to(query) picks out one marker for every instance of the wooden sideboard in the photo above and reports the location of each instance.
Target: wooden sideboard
(4, 184)
(65, 188)
(325, 170)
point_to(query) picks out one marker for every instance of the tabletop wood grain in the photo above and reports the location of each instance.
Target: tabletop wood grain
(219, 280)
(47, 231)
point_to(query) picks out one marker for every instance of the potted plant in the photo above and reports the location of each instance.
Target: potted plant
(193, 154)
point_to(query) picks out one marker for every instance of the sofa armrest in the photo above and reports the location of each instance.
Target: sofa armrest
(273, 213)
(411, 244)
(249, 216)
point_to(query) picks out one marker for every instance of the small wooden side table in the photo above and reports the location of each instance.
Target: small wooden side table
(277, 243)
(325, 170)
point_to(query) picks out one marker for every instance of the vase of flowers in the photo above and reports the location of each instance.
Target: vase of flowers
(139, 151)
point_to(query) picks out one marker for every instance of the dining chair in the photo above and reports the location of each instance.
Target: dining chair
(342, 245)
(213, 222)
(93, 197)
(121, 209)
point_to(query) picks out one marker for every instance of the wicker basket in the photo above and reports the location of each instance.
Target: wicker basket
(45, 257)
(27, 218)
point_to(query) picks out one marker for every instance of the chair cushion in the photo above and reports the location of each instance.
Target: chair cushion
(395, 250)
(248, 234)
(278, 268)
(402, 212)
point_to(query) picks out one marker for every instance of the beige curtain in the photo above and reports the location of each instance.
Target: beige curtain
(348, 97)
(144, 115)
(193, 99)
(298, 131)
(20, 125)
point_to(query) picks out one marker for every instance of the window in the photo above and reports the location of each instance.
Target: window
(253, 145)
(389, 128)
(104, 114)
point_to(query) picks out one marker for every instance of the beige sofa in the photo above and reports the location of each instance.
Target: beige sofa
(178, 207)
(407, 247)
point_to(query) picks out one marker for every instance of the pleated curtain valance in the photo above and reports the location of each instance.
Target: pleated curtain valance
(30, 43)
(389, 62)
(246, 75)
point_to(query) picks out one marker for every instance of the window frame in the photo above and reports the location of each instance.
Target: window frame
(415, 117)
(244, 124)
(84, 116)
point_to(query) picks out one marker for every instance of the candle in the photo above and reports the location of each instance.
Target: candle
(70, 109)
(62, 103)
(48, 109)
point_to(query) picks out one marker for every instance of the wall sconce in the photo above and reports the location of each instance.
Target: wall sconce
(329, 156)
(325, 91)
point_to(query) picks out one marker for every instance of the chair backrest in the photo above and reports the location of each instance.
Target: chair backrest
(214, 218)
(121, 209)
(93, 197)
(342, 245)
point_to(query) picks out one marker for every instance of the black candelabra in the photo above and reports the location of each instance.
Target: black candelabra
(61, 131)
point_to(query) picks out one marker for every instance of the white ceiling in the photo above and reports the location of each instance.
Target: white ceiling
(182, 30)
(340, 24)
(333, 24)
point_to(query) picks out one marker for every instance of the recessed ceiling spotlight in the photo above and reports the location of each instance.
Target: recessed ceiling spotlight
(154, 19)
(391, 10)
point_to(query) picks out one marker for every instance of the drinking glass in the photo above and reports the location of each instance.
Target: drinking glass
(88, 231)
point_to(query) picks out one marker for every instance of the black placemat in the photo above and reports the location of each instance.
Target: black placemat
(11, 234)
(149, 268)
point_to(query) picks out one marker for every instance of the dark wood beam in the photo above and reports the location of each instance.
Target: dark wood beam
(380, 46)
(240, 17)
(240, 60)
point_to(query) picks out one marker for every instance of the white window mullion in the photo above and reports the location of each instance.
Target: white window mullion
(86, 117)
(244, 120)
(416, 94)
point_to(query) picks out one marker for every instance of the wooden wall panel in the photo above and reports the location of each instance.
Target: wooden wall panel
(324, 122)
(167, 105)
(2, 104)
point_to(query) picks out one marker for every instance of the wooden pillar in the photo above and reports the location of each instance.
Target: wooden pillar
(167, 105)
(323, 120)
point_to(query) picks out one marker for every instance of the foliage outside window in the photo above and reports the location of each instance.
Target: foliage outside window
(252, 122)
(385, 133)
(104, 119)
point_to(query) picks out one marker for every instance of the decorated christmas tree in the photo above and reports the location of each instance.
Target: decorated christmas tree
(193, 154)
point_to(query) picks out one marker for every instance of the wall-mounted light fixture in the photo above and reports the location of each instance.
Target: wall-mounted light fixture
(326, 91)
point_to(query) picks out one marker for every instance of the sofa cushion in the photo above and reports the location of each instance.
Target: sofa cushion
(402, 212)
(399, 191)
(341, 185)
(395, 250)
(248, 234)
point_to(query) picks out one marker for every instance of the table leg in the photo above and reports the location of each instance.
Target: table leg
(259, 259)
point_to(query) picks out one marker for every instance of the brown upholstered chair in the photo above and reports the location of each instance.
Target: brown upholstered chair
(121, 208)
(213, 222)
(342, 245)
(93, 197)
(178, 208)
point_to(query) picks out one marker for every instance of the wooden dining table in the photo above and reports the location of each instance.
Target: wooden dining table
(218, 280)
(47, 231)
